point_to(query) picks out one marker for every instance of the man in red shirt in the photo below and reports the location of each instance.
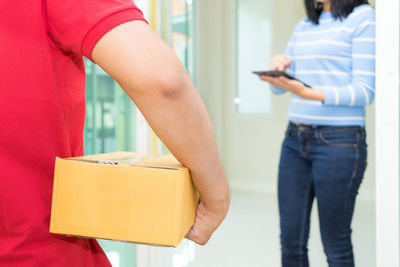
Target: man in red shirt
(42, 106)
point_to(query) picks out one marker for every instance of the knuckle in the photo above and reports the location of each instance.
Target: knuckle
(202, 241)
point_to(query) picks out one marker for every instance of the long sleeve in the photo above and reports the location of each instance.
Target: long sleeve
(361, 90)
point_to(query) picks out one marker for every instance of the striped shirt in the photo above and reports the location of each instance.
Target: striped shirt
(338, 57)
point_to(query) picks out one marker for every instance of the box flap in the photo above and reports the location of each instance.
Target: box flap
(135, 159)
(162, 161)
(116, 156)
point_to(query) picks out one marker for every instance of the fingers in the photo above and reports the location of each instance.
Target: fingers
(286, 61)
(284, 83)
(281, 81)
(200, 232)
(197, 238)
(271, 80)
(289, 83)
(205, 225)
(277, 65)
(280, 62)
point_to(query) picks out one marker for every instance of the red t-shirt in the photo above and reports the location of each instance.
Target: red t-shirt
(42, 109)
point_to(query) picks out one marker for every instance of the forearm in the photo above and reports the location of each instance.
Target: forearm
(151, 74)
(182, 123)
(313, 94)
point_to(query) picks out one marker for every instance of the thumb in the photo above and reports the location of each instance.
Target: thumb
(191, 235)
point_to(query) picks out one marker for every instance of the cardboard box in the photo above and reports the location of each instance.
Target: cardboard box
(141, 200)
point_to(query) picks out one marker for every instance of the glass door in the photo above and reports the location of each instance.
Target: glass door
(110, 114)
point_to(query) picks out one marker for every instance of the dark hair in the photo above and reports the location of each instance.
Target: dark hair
(340, 8)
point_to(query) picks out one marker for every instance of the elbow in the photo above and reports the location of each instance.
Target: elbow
(364, 103)
(370, 96)
(371, 101)
(277, 91)
(171, 84)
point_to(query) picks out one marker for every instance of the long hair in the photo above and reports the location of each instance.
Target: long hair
(340, 8)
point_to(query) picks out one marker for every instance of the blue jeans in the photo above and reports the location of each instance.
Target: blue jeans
(326, 163)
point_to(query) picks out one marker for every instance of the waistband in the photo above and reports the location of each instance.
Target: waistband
(311, 128)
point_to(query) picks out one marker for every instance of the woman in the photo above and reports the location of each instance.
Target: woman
(324, 153)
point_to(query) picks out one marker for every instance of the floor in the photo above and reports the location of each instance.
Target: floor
(249, 237)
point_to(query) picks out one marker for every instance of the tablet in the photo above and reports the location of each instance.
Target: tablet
(276, 74)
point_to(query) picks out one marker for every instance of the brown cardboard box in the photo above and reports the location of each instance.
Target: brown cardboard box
(141, 200)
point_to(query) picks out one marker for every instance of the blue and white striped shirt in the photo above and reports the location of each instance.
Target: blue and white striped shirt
(338, 57)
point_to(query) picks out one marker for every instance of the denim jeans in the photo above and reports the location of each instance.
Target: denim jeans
(326, 163)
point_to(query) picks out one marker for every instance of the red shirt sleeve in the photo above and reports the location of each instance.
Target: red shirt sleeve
(77, 25)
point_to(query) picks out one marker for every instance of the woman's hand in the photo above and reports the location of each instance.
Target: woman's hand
(280, 62)
(295, 87)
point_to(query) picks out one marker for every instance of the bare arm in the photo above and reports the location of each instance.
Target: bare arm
(153, 77)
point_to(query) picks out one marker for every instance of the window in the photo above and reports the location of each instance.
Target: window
(182, 31)
(254, 38)
(110, 114)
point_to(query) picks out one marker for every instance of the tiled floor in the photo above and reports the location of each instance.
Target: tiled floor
(249, 237)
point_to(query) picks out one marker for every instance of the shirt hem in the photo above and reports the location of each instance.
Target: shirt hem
(327, 123)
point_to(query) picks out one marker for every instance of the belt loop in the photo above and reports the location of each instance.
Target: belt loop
(289, 129)
(292, 126)
(363, 134)
(316, 133)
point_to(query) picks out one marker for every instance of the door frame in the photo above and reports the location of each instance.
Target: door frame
(387, 134)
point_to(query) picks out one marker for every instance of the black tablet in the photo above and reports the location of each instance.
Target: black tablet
(277, 73)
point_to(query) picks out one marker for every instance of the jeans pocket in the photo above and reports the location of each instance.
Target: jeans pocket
(341, 137)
